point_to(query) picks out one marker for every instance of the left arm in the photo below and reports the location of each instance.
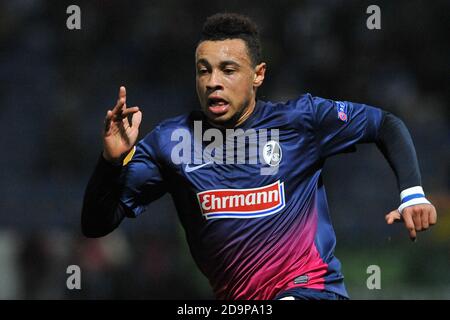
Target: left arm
(340, 125)
(395, 142)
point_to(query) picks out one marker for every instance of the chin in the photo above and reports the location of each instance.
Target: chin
(219, 119)
(222, 120)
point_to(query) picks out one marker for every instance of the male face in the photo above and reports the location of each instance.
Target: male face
(226, 80)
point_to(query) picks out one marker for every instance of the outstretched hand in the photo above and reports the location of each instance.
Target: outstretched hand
(119, 135)
(416, 218)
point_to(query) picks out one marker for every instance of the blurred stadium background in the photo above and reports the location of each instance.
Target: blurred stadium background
(56, 86)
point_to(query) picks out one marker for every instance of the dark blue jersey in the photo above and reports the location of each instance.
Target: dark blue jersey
(255, 235)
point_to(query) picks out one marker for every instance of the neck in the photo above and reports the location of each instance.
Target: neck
(246, 113)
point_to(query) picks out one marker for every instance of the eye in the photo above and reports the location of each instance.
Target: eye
(202, 71)
(228, 71)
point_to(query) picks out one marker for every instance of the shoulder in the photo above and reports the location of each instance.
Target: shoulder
(300, 104)
(179, 122)
(291, 112)
(159, 139)
(165, 128)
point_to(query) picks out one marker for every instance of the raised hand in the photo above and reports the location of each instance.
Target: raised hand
(119, 135)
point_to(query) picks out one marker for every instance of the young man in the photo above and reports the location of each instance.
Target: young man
(257, 229)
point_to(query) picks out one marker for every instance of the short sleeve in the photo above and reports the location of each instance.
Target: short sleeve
(141, 178)
(340, 125)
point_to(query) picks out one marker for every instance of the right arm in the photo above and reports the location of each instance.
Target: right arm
(102, 209)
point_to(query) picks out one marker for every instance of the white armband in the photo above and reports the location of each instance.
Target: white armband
(412, 196)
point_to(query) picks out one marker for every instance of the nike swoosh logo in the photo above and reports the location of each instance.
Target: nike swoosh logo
(187, 168)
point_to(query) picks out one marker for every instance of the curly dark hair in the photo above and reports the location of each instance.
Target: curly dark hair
(222, 26)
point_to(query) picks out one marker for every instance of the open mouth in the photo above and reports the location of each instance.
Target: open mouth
(218, 105)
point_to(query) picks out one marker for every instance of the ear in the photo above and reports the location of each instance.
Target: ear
(260, 71)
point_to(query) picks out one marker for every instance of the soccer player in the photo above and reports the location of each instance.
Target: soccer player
(253, 234)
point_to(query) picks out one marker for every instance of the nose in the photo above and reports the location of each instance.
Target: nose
(214, 82)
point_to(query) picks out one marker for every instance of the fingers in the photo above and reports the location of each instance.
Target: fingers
(136, 119)
(428, 215)
(417, 221)
(424, 217)
(109, 115)
(120, 116)
(120, 112)
(393, 216)
(120, 104)
(409, 223)
(123, 114)
(416, 218)
(108, 118)
(432, 216)
(122, 92)
(121, 101)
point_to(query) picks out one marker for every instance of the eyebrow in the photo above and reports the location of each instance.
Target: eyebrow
(229, 62)
(203, 61)
(222, 64)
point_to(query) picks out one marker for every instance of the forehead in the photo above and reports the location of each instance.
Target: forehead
(223, 50)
